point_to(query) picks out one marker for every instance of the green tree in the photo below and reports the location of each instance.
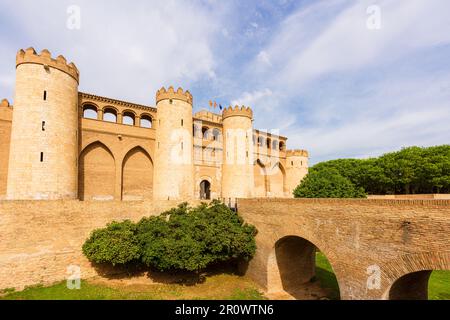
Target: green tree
(182, 238)
(115, 244)
(327, 183)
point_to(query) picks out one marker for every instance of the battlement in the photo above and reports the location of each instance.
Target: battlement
(45, 58)
(5, 104)
(237, 111)
(297, 153)
(170, 93)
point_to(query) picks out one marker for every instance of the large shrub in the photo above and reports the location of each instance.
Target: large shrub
(327, 183)
(115, 244)
(186, 238)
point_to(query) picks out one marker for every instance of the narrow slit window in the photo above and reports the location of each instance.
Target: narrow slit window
(45, 95)
(43, 125)
(42, 157)
(181, 122)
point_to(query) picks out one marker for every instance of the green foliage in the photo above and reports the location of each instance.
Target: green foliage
(182, 238)
(115, 244)
(412, 170)
(327, 183)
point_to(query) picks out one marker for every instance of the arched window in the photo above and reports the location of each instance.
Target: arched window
(282, 146)
(216, 135)
(275, 144)
(146, 122)
(205, 133)
(89, 111)
(128, 118)
(110, 115)
(268, 143)
(260, 141)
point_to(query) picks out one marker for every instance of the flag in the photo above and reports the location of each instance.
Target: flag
(215, 104)
(220, 107)
(210, 103)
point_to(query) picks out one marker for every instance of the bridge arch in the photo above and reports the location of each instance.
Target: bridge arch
(407, 276)
(291, 267)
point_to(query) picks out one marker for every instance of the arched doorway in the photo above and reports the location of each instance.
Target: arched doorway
(137, 175)
(297, 269)
(205, 190)
(96, 173)
(260, 178)
(277, 181)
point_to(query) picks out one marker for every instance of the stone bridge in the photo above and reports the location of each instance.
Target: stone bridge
(378, 249)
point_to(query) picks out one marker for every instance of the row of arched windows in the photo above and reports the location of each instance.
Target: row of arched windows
(207, 133)
(110, 115)
(268, 143)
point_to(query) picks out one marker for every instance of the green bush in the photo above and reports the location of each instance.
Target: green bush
(182, 238)
(327, 183)
(115, 244)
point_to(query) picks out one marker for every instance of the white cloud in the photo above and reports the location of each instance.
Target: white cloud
(124, 53)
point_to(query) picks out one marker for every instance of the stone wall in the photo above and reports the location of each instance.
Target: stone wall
(5, 134)
(40, 239)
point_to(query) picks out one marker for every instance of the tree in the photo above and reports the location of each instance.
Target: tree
(327, 183)
(182, 238)
(115, 244)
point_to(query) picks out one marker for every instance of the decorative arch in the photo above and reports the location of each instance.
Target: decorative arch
(205, 133)
(96, 172)
(277, 180)
(260, 179)
(110, 114)
(129, 117)
(146, 121)
(137, 175)
(90, 110)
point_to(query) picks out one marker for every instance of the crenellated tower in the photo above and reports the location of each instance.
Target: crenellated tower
(174, 163)
(44, 135)
(296, 168)
(237, 169)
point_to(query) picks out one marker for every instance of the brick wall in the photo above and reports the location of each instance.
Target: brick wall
(39, 239)
(399, 236)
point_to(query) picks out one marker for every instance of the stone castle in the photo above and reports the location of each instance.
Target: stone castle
(59, 143)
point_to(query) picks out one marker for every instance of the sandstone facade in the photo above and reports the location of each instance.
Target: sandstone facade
(59, 143)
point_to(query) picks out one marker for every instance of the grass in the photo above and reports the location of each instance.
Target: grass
(439, 285)
(222, 287)
(326, 277)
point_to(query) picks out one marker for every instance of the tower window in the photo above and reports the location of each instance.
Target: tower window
(42, 157)
(43, 125)
(182, 122)
(45, 95)
(292, 163)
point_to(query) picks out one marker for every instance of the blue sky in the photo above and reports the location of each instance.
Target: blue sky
(311, 69)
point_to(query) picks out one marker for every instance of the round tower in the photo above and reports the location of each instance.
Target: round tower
(44, 138)
(296, 168)
(237, 169)
(174, 162)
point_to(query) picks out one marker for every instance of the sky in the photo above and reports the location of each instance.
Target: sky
(339, 78)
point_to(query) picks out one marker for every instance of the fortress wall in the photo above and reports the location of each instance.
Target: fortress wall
(5, 136)
(40, 239)
(107, 151)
